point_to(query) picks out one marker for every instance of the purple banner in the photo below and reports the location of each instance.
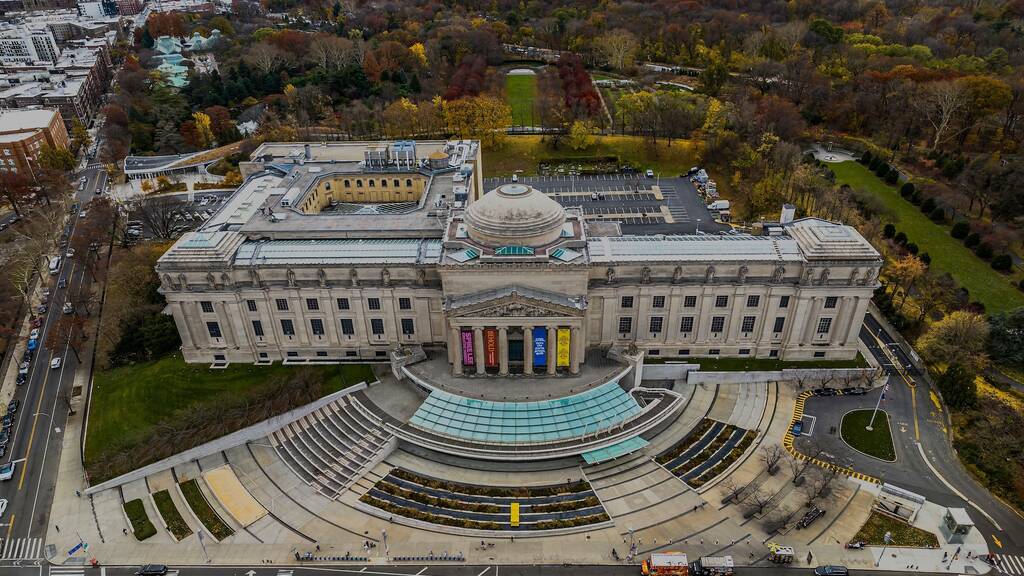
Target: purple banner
(467, 348)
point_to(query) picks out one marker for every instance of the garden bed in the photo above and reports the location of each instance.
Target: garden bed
(689, 440)
(142, 528)
(172, 518)
(873, 532)
(195, 499)
(876, 442)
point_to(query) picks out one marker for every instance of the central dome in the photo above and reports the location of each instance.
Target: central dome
(515, 215)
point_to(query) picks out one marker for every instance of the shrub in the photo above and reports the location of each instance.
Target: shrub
(960, 230)
(983, 250)
(957, 387)
(925, 257)
(892, 177)
(866, 157)
(883, 170)
(972, 240)
(874, 164)
(888, 231)
(907, 189)
(1002, 262)
(953, 168)
(928, 205)
(915, 198)
(976, 307)
(1021, 284)
(912, 248)
(937, 215)
(900, 238)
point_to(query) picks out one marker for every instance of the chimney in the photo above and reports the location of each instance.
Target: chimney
(309, 154)
(788, 213)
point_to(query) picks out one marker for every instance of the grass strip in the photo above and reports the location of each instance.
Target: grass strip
(876, 442)
(172, 518)
(206, 514)
(873, 532)
(142, 528)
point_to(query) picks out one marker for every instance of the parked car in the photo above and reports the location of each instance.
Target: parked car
(12, 406)
(649, 173)
(5, 436)
(809, 518)
(798, 428)
(825, 392)
(27, 356)
(831, 571)
(7, 421)
(41, 309)
(68, 308)
(34, 334)
(23, 369)
(62, 283)
(21, 379)
(7, 471)
(37, 322)
(855, 391)
(3, 506)
(55, 363)
(70, 253)
(152, 570)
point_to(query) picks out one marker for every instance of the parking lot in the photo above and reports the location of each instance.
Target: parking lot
(628, 199)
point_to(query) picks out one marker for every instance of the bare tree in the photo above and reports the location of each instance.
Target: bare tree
(778, 520)
(158, 214)
(756, 501)
(941, 104)
(771, 455)
(733, 490)
(266, 57)
(619, 48)
(798, 467)
(329, 52)
(820, 483)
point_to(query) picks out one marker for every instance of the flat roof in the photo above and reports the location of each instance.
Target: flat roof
(383, 251)
(22, 120)
(699, 247)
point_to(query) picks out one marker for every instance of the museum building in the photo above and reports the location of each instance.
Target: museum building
(343, 252)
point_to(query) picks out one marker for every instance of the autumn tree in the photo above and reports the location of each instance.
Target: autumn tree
(53, 158)
(960, 338)
(483, 118)
(903, 273)
(80, 137)
(941, 104)
(16, 189)
(204, 133)
(618, 48)
(581, 135)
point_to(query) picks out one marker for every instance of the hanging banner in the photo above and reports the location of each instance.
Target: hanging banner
(490, 347)
(563, 347)
(467, 348)
(540, 346)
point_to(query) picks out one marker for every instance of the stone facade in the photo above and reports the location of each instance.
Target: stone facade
(531, 303)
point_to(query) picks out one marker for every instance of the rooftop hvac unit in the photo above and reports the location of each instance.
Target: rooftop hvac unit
(376, 157)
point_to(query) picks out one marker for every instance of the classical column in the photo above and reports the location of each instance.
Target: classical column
(552, 348)
(527, 350)
(478, 344)
(503, 350)
(574, 355)
(456, 344)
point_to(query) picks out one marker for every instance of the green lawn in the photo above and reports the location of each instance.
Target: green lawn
(986, 285)
(873, 532)
(175, 523)
(520, 90)
(877, 442)
(757, 364)
(197, 502)
(128, 403)
(524, 153)
(141, 526)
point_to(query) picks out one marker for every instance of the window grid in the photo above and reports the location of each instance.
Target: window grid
(282, 304)
(343, 304)
(780, 323)
(317, 326)
(408, 326)
(404, 304)
(347, 327)
(721, 301)
(214, 329)
(312, 304)
(251, 304)
(626, 302)
(658, 302)
(625, 325)
(656, 322)
(717, 323)
(824, 325)
(373, 303)
(377, 326)
(690, 302)
(831, 301)
(753, 301)
(257, 328)
(207, 306)
(784, 302)
(748, 324)
(686, 325)
(287, 327)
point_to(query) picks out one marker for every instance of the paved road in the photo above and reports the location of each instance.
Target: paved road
(404, 570)
(926, 462)
(37, 433)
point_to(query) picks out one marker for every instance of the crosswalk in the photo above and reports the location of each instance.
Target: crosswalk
(67, 571)
(22, 549)
(1010, 564)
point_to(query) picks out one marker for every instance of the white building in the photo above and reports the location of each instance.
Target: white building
(21, 44)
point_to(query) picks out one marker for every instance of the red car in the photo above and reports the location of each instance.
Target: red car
(37, 322)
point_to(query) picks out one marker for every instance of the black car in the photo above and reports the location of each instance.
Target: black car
(855, 391)
(810, 517)
(27, 356)
(5, 435)
(22, 378)
(152, 570)
(7, 421)
(825, 392)
(13, 406)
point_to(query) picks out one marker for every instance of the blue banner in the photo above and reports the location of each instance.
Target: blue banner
(540, 346)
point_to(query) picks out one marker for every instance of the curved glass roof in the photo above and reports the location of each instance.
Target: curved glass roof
(525, 422)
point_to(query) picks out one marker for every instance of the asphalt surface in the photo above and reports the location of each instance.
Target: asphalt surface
(925, 460)
(403, 570)
(627, 193)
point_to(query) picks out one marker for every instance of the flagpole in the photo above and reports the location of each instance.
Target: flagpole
(880, 398)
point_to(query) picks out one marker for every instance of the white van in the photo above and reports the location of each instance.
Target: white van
(54, 265)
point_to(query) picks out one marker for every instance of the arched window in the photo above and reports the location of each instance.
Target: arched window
(359, 183)
(370, 183)
(408, 182)
(348, 183)
(396, 184)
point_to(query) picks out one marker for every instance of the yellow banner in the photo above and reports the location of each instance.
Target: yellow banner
(513, 514)
(563, 347)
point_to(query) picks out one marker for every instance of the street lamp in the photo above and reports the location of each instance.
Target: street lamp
(886, 540)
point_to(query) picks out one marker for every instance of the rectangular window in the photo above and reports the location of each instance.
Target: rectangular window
(377, 326)
(343, 304)
(312, 304)
(717, 323)
(207, 306)
(321, 353)
(683, 352)
(658, 302)
(408, 327)
(257, 328)
(293, 354)
(784, 302)
(819, 354)
(282, 305)
(744, 352)
(831, 301)
(690, 302)
(753, 301)
(317, 326)
(824, 325)
(373, 303)
(625, 325)
(780, 323)
(721, 301)
(656, 324)
(714, 352)
(748, 324)
(654, 352)
(404, 304)
(287, 328)
(627, 302)
(214, 329)
(773, 353)
(347, 327)
(251, 305)
(686, 325)
(351, 353)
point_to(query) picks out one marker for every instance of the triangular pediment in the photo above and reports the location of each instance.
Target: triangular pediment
(515, 302)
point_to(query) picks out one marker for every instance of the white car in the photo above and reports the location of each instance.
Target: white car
(34, 334)
(55, 363)
(83, 214)
(3, 506)
(7, 471)
(650, 173)
(70, 253)
(68, 308)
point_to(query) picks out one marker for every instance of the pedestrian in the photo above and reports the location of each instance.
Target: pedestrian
(317, 547)
(125, 530)
(944, 556)
(78, 493)
(57, 527)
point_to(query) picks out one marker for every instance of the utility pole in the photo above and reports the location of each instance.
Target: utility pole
(872, 422)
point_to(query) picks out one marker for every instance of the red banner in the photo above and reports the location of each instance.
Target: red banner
(490, 347)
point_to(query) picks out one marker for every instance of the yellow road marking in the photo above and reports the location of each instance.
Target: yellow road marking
(935, 400)
(994, 539)
(35, 419)
(913, 406)
(10, 527)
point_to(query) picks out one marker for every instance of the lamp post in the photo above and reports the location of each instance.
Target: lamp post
(886, 540)
(880, 398)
